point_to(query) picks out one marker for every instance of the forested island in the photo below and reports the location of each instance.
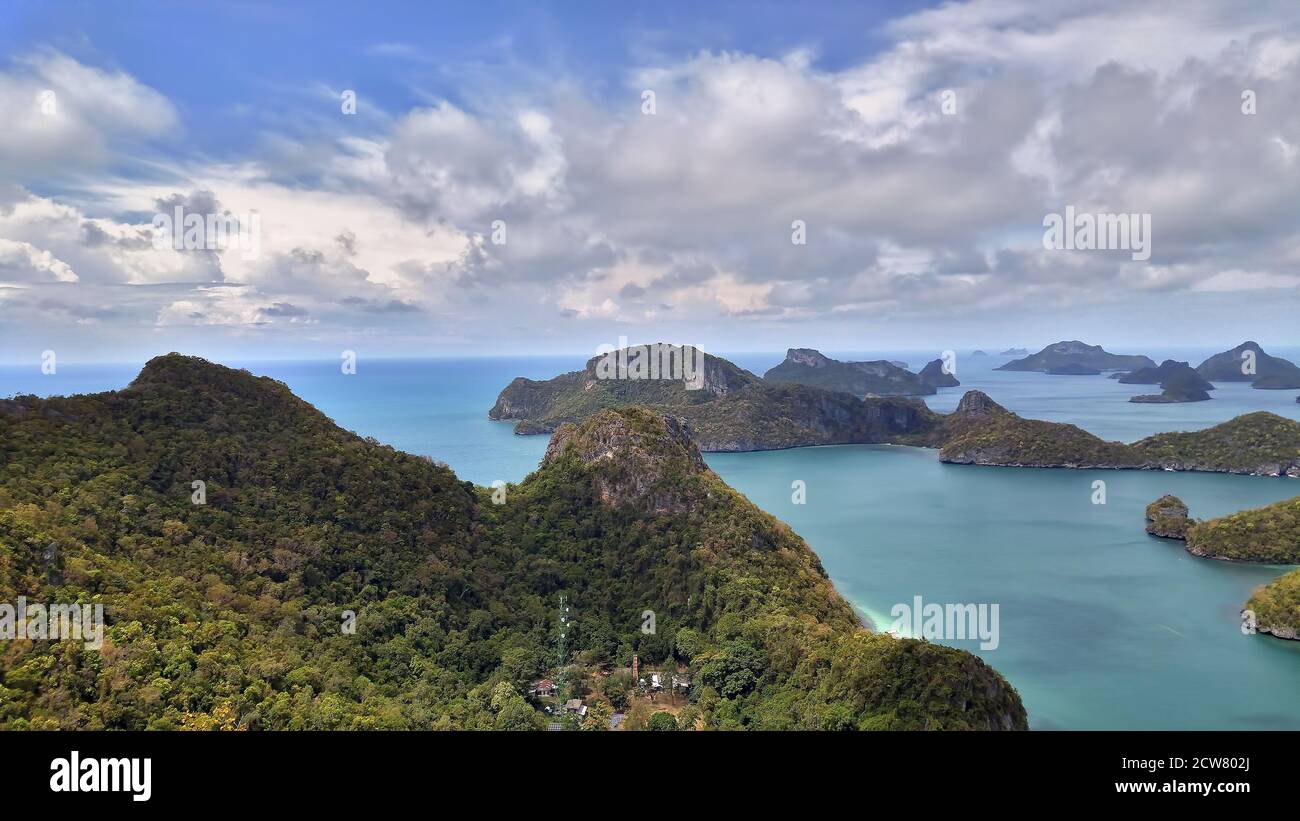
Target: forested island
(1266, 535)
(1074, 354)
(805, 366)
(737, 411)
(262, 568)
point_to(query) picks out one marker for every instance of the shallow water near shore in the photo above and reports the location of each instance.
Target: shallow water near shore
(1101, 626)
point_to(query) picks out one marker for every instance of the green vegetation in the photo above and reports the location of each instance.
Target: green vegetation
(732, 410)
(1167, 518)
(982, 432)
(229, 614)
(1268, 534)
(805, 366)
(1260, 443)
(1276, 606)
(736, 411)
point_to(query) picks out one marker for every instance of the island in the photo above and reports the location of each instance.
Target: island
(1167, 518)
(1275, 607)
(1269, 372)
(733, 410)
(1178, 381)
(730, 410)
(1267, 535)
(262, 568)
(934, 376)
(1062, 354)
(806, 366)
(1015, 352)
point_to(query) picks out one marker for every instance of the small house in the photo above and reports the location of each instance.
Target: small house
(545, 687)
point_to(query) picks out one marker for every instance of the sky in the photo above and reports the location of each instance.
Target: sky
(493, 178)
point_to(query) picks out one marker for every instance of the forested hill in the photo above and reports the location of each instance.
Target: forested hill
(230, 613)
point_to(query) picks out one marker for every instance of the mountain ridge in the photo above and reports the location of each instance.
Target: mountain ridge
(225, 613)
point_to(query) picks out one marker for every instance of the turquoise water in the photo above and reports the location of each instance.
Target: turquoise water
(1101, 626)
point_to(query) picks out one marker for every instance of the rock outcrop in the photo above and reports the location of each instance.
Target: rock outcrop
(1167, 518)
(1274, 608)
(935, 376)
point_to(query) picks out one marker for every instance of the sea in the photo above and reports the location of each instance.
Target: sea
(1100, 626)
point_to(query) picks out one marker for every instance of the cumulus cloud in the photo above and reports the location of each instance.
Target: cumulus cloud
(63, 116)
(555, 207)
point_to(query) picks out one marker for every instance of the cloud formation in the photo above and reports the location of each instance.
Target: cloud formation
(921, 175)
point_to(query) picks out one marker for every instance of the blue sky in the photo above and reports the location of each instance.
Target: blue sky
(235, 68)
(375, 232)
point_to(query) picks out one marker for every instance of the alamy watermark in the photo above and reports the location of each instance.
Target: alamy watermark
(1098, 232)
(948, 622)
(196, 231)
(659, 360)
(53, 622)
(128, 775)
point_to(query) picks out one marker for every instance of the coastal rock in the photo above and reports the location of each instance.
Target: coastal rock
(635, 456)
(1167, 518)
(1258, 444)
(1276, 607)
(977, 405)
(934, 375)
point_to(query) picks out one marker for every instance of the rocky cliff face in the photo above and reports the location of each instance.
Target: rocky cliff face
(1167, 518)
(636, 457)
(1276, 607)
(934, 376)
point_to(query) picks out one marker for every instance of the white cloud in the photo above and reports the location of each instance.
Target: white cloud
(684, 216)
(62, 116)
(23, 262)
